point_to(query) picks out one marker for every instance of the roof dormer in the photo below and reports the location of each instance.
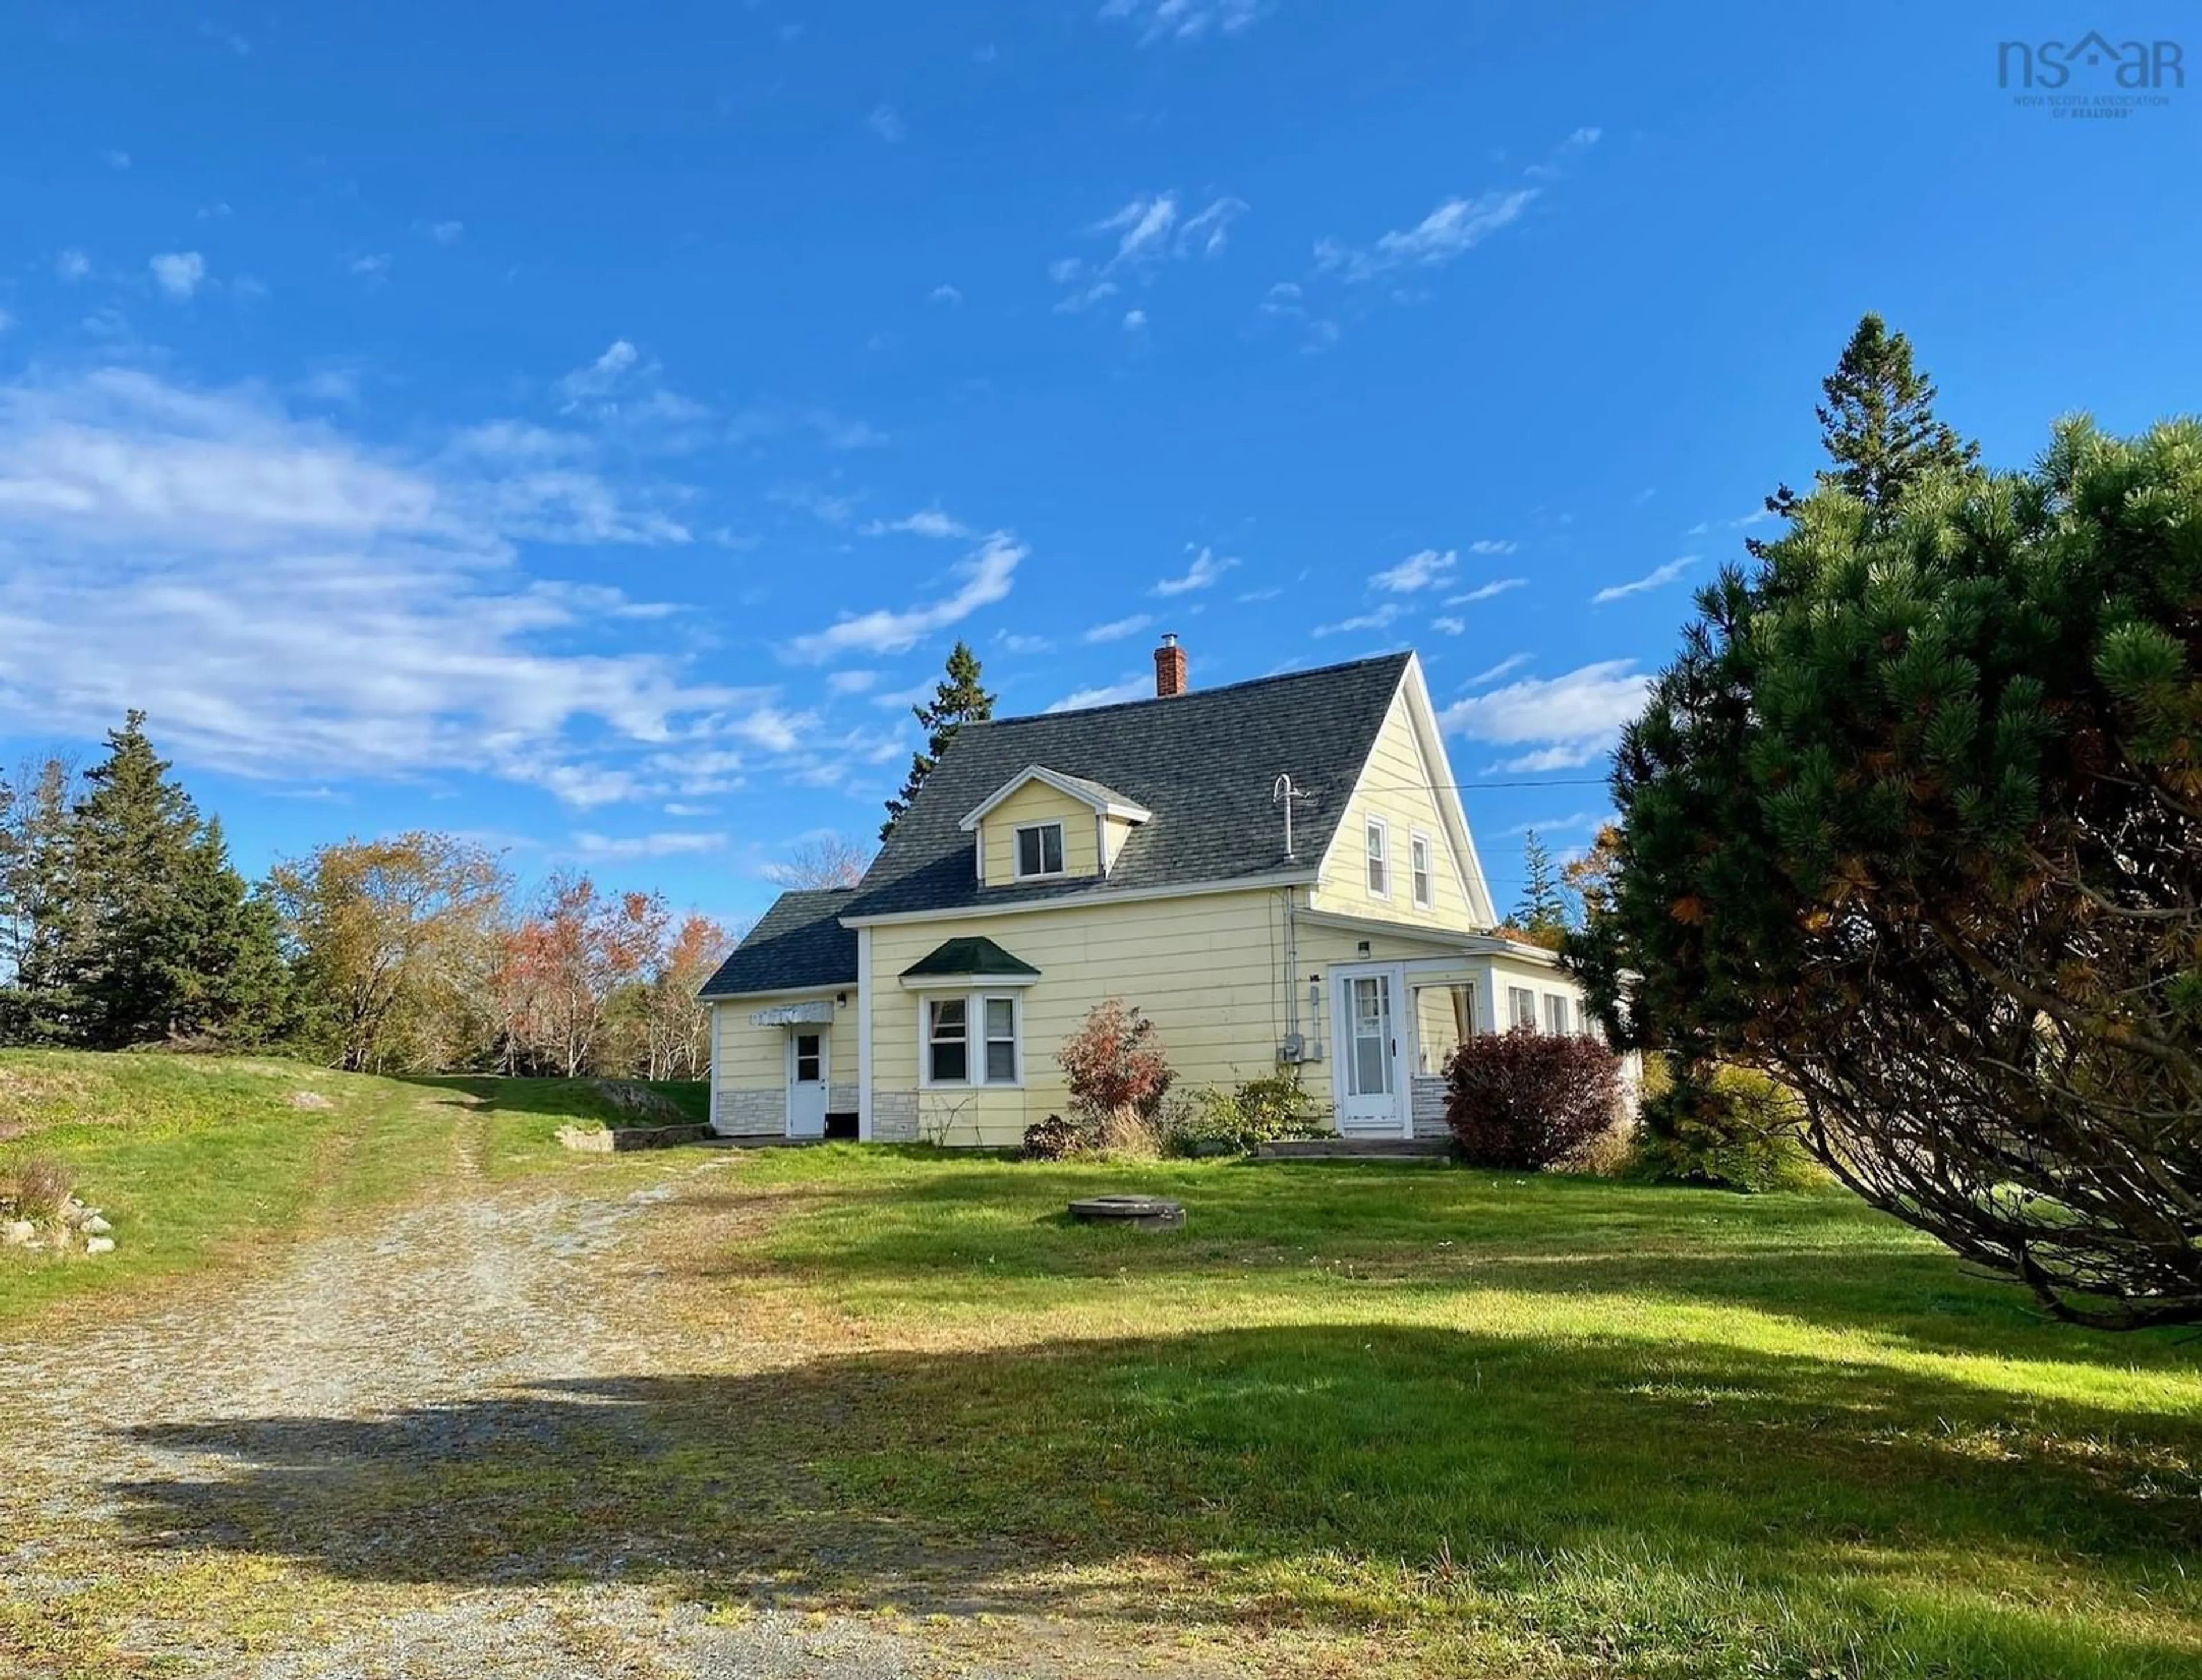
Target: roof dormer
(1043, 825)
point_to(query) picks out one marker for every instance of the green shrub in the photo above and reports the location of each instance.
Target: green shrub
(1213, 1121)
(1736, 1129)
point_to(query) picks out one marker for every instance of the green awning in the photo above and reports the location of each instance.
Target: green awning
(980, 958)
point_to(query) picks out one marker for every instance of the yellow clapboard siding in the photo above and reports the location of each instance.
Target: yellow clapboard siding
(1038, 802)
(1396, 785)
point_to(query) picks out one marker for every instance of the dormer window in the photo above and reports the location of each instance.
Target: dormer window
(1040, 849)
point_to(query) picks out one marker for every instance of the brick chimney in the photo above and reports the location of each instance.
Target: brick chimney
(1170, 676)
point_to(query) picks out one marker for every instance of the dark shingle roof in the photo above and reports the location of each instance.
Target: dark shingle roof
(798, 943)
(967, 956)
(1204, 762)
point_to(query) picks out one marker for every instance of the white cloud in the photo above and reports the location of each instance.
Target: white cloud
(600, 378)
(1149, 231)
(1485, 591)
(926, 522)
(945, 294)
(886, 122)
(1568, 720)
(1573, 822)
(1427, 570)
(1376, 619)
(1135, 321)
(373, 267)
(179, 273)
(1659, 577)
(631, 848)
(282, 598)
(1183, 19)
(1492, 545)
(1455, 227)
(674, 807)
(1131, 688)
(986, 575)
(71, 265)
(852, 682)
(217, 211)
(1017, 643)
(1449, 626)
(1205, 571)
(1510, 663)
(1117, 629)
(444, 232)
(620, 388)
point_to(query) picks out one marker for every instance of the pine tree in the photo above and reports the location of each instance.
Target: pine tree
(1542, 912)
(163, 941)
(42, 923)
(960, 698)
(1879, 426)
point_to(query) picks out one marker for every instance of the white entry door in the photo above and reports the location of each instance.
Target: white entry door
(809, 1061)
(1371, 1093)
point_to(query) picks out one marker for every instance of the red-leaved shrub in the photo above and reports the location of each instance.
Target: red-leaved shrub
(1521, 1099)
(1117, 1073)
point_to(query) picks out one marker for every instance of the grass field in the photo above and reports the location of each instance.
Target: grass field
(1359, 1418)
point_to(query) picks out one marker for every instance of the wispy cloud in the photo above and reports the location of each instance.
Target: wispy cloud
(1492, 545)
(1657, 578)
(1149, 231)
(1455, 228)
(1449, 626)
(1019, 642)
(623, 387)
(633, 847)
(1567, 721)
(926, 522)
(1135, 321)
(1426, 570)
(1183, 19)
(1378, 618)
(1497, 586)
(443, 232)
(984, 577)
(1505, 666)
(71, 265)
(1117, 629)
(282, 597)
(945, 294)
(886, 122)
(373, 267)
(852, 682)
(1113, 693)
(179, 273)
(1207, 570)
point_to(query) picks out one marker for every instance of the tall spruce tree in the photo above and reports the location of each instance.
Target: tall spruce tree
(41, 925)
(164, 942)
(1879, 425)
(1542, 911)
(960, 698)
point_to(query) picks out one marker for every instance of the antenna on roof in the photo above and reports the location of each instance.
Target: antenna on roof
(1284, 793)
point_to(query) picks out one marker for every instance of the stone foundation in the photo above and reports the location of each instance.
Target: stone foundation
(750, 1114)
(894, 1117)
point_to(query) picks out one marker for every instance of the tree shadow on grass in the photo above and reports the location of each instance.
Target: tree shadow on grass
(1342, 1476)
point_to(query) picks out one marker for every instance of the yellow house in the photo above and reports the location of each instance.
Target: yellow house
(1276, 872)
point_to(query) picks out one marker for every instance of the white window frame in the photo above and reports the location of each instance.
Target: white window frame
(1516, 1015)
(1377, 860)
(1558, 1007)
(974, 1039)
(1421, 870)
(1017, 850)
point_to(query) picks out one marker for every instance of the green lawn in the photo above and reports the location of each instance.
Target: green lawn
(1534, 1425)
(1384, 1418)
(197, 1161)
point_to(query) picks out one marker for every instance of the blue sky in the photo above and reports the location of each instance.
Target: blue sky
(579, 425)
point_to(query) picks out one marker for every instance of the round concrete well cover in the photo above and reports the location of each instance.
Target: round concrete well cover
(1144, 1212)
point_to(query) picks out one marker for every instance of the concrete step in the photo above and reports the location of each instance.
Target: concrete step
(1355, 1148)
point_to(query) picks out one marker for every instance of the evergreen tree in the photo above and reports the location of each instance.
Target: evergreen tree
(41, 919)
(1879, 425)
(1542, 911)
(162, 940)
(960, 698)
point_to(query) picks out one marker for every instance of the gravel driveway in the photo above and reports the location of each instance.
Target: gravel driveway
(313, 1473)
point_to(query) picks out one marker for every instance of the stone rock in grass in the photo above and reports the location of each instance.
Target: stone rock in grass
(99, 1245)
(19, 1234)
(310, 1100)
(94, 1224)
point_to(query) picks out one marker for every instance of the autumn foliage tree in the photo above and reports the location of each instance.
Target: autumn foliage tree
(566, 962)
